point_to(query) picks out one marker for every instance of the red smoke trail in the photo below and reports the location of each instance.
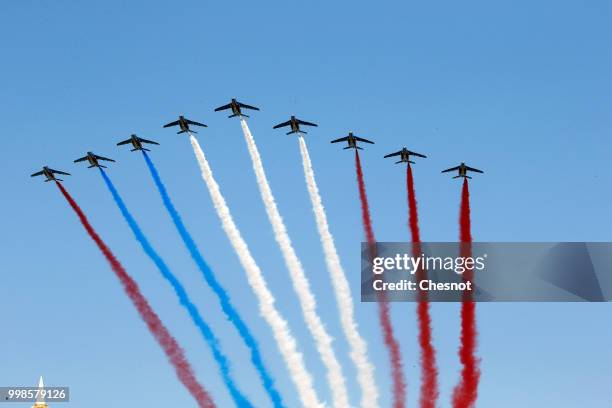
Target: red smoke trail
(466, 392)
(160, 332)
(399, 383)
(429, 371)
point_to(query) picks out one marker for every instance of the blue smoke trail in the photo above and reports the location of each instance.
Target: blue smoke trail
(226, 305)
(206, 331)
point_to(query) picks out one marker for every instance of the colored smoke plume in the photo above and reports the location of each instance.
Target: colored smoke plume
(301, 285)
(397, 373)
(429, 372)
(466, 392)
(285, 341)
(344, 299)
(173, 351)
(210, 278)
(239, 399)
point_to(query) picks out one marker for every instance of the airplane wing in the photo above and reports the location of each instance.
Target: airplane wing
(303, 122)
(124, 142)
(393, 154)
(417, 154)
(363, 140)
(59, 172)
(103, 158)
(38, 173)
(473, 169)
(287, 123)
(342, 139)
(224, 107)
(171, 124)
(193, 122)
(81, 159)
(244, 105)
(147, 141)
(451, 169)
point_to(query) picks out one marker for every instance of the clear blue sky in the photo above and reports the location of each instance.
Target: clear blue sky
(520, 89)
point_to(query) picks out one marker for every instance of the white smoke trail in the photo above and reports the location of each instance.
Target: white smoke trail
(344, 299)
(301, 285)
(282, 334)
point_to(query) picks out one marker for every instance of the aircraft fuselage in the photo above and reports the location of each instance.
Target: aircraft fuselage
(183, 124)
(295, 126)
(92, 160)
(352, 142)
(136, 143)
(48, 174)
(235, 108)
(405, 155)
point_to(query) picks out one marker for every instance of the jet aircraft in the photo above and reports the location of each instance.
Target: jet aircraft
(352, 141)
(295, 125)
(137, 143)
(405, 155)
(49, 173)
(184, 123)
(462, 169)
(93, 159)
(236, 108)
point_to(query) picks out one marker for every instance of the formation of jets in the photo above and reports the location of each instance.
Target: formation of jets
(237, 111)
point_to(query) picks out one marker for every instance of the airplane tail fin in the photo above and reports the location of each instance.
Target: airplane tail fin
(347, 147)
(357, 147)
(185, 131)
(290, 133)
(104, 167)
(146, 150)
(233, 115)
(238, 114)
(456, 177)
(410, 161)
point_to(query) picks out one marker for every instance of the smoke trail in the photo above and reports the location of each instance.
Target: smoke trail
(466, 392)
(173, 351)
(282, 334)
(239, 399)
(429, 371)
(397, 373)
(301, 285)
(413, 218)
(465, 223)
(226, 304)
(344, 299)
